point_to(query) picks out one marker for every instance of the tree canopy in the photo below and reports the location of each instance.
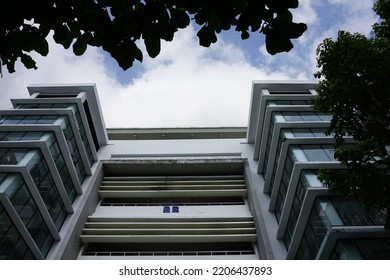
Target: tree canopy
(354, 73)
(117, 25)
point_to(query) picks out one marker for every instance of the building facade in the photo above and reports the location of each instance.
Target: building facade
(72, 189)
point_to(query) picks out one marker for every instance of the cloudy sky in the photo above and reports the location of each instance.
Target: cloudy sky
(188, 85)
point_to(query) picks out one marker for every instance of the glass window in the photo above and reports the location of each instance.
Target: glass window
(327, 212)
(60, 105)
(298, 154)
(300, 102)
(13, 136)
(320, 133)
(12, 246)
(282, 102)
(55, 150)
(44, 105)
(28, 106)
(292, 117)
(310, 179)
(18, 153)
(322, 216)
(26, 208)
(315, 153)
(309, 116)
(47, 120)
(33, 135)
(47, 188)
(346, 250)
(325, 117)
(277, 117)
(29, 119)
(13, 119)
(302, 132)
(330, 153)
(11, 156)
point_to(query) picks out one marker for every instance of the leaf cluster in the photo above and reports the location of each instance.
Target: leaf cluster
(117, 25)
(354, 71)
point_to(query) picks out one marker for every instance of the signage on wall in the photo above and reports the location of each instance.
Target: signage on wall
(169, 209)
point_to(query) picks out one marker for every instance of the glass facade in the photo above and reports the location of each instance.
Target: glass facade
(298, 153)
(11, 156)
(44, 182)
(12, 245)
(61, 166)
(333, 211)
(286, 117)
(63, 121)
(290, 133)
(307, 179)
(287, 102)
(77, 115)
(73, 148)
(49, 143)
(361, 249)
(50, 139)
(24, 204)
(15, 119)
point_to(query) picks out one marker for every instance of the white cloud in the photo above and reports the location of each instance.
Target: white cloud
(353, 6)
(187, 85)
(306, 12)
(60, 66)
(354, 16)
(324, 20)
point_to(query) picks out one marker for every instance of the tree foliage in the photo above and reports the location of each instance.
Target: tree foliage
(116, 25)
(354, 73)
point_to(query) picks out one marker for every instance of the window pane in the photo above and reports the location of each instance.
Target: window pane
(292, 116)
(29, 119)
(13, 119)
(315, 153)
(47, 120)
(302, 132)
(14, 136)
(324, 117)
(32, 136)
(309, 116)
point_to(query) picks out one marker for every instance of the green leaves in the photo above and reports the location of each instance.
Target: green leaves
(354, 73)
(116, 26)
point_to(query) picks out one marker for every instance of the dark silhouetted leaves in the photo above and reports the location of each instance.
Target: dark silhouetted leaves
(63, 36)
(206, 36)
(116, 26)
(280, 31)
(152, 42)
(80, 46)
(28, 61)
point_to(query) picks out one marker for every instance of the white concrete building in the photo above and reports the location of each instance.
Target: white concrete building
(72, 189)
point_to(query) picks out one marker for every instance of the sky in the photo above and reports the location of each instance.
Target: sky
(188, 85)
